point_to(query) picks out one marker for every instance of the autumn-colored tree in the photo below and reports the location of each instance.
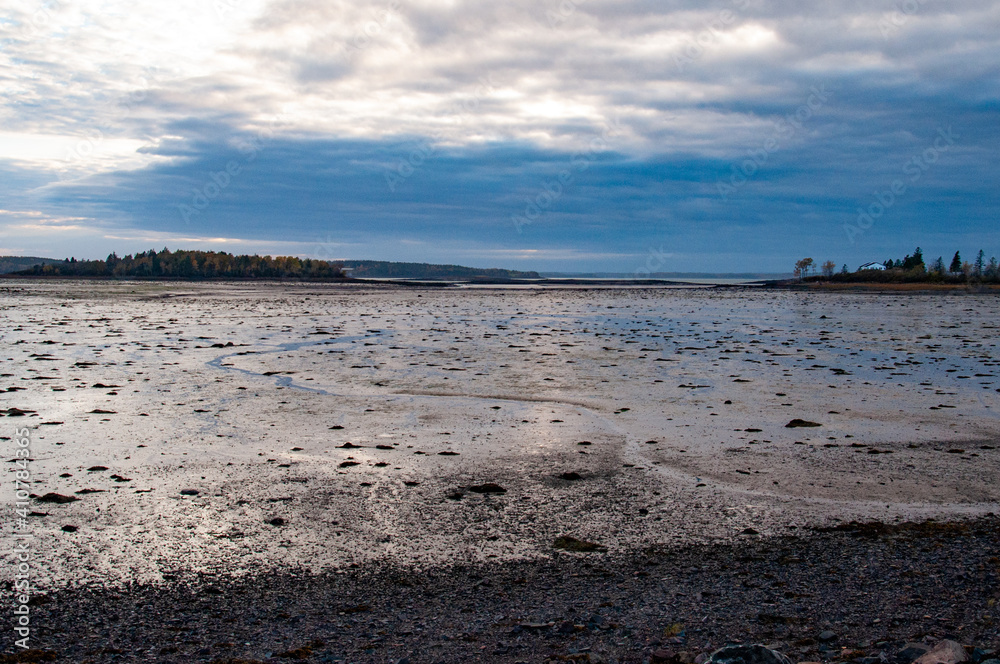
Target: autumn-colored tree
(828, 267)
(802, 268)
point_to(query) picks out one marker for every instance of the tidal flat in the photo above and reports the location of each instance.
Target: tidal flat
(233, 430)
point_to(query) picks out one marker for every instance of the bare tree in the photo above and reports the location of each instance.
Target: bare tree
(828, 268)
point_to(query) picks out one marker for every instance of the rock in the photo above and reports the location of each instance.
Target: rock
(189, 492)
(826, 635)
(755, 654)
(566, 627)
(489, 487)
(801, 423)
(663, 656)
(348, 464)
(276, 521)
(945, 652)
(571, 476)
(990, 661)
(537, 626)
(910, 652)
(349, 446)
(69, 529)
(96, 469)
(57, 498)
(568, 543)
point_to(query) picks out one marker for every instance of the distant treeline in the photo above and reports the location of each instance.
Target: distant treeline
(166, 264)
(388, 270)
(10, 264)
(913, 269)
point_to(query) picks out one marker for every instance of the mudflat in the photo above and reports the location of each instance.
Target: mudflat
(238, 431)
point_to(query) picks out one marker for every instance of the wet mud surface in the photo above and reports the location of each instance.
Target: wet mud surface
(240, 429)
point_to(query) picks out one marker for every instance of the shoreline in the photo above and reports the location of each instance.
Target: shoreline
(875, 587)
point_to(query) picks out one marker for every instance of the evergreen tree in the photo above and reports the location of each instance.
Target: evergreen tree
(956, 263)
(980, 263)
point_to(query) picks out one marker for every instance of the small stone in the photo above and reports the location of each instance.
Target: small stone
(663, 656)
(96, 469)
(69, 529)
(826, 635)
(489, 487)
(910, 652)
(801, 423)
(276, 521)
(978, 655)
(945, 652)
(571, 476)
(568, 543)
(755, 654)
(189, 492)
(57, 498)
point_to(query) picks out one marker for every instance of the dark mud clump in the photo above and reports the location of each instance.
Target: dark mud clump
(568, 543)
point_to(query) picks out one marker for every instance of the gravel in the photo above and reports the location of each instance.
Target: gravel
(863, 593)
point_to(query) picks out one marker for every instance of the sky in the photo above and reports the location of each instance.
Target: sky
(630, 136)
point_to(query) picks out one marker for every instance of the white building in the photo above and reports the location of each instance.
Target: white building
(872, 266)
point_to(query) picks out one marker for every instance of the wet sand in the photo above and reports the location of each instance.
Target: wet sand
(345, 425)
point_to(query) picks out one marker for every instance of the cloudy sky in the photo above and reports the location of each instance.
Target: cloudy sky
(562, 135)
